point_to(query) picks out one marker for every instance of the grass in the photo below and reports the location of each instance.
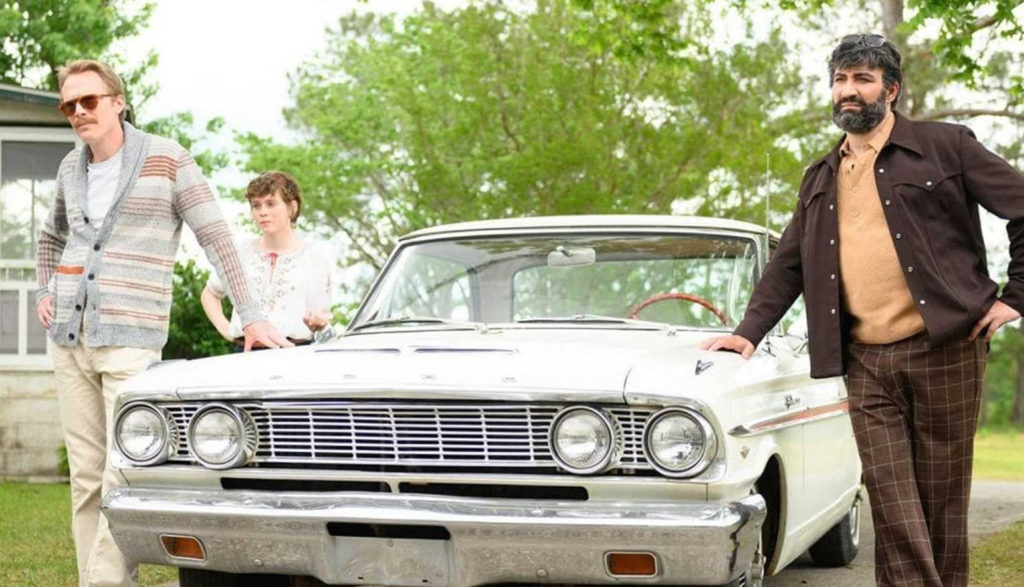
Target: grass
(999, 559)
(35, 539)
(35, 528)
(999, 456)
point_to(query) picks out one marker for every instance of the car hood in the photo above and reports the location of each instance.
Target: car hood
(586, 364)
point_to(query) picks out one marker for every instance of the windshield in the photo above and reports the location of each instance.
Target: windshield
(690, 281)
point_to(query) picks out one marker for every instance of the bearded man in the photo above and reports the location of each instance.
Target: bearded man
(886, 248)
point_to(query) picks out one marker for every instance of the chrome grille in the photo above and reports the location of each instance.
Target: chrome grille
(411, 434)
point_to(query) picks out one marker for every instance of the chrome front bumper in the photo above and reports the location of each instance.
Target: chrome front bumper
(490, 540)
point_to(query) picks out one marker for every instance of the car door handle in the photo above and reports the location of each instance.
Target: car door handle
(792, 400)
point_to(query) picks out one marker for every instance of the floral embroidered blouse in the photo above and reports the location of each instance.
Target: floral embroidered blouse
(286, 285)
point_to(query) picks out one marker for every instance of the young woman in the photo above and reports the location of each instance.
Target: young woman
(291, 277)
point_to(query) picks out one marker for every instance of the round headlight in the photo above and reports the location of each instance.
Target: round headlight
(145, 434)
(583, 440)
(221, 437)
(679, 443)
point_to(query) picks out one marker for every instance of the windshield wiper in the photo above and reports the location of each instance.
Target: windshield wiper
(400, 320)
(594, 319)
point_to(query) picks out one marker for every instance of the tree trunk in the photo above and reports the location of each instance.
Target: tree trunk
(892, 18)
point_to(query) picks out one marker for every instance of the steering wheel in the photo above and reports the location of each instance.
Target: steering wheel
(679, 296)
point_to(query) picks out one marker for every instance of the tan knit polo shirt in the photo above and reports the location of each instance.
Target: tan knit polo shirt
(874, 289)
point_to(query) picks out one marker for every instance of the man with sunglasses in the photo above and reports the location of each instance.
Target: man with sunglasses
(105, 266)
(886, 248)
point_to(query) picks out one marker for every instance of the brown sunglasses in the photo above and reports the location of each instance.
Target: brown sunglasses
(88, 102)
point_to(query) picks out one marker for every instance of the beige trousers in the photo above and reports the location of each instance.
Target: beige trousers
(88, 380)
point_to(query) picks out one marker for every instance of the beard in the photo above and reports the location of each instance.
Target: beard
(860, 122)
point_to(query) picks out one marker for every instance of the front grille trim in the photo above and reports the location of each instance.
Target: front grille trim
(412, 434)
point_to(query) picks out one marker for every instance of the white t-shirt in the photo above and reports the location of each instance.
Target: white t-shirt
(287, 285)
(102, 179)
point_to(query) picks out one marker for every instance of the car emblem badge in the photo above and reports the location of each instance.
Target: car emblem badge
(702, 366)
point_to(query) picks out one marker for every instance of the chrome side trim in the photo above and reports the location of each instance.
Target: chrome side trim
(801, 417)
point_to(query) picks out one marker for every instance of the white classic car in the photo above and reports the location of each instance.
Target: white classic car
(516, 401)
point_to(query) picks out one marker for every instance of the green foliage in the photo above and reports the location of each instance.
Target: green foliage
(191, 335)
(1005, 358)
(488, 112)
(63, 467)
(39, 36)
(181, 127)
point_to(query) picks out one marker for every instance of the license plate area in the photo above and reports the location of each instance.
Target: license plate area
(392, 561)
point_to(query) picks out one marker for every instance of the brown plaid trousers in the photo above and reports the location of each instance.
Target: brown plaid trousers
(915, 410)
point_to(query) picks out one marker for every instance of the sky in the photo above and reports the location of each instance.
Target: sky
(232, 58)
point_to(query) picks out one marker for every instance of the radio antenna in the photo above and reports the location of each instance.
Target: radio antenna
(767, 189)
(767, 199)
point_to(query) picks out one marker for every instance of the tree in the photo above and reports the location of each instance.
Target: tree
(191, 336)
(962, 58)
(39, 36)
(487, 112)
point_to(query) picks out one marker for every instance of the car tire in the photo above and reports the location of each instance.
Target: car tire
(839, 546)
(204, 578)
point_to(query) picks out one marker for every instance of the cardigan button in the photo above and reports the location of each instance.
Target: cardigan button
(86, 219)
(78, 307)
(71, 336)
(91, 276)
(96, 247)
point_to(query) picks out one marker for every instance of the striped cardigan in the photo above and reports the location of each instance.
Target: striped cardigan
(119, 277)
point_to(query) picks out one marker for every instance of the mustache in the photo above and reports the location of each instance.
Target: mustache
(852, 100)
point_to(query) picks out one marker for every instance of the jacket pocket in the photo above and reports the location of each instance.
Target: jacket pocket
(924, 180)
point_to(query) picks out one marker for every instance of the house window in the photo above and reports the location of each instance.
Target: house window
(29, 159)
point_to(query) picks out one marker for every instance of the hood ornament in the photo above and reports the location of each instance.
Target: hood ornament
(702, 366)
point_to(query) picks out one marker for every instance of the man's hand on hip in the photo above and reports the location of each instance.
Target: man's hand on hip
(993, 320)
(733, 342)
(44, 311)
(263, 332)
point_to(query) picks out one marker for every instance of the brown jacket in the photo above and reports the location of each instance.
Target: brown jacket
(931, 176)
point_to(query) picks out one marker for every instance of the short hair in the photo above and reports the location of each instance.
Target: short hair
(853, 51)
(276, 182)
(113, 81)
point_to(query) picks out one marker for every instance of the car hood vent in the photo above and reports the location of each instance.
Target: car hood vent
(385, 351)
(438, 349)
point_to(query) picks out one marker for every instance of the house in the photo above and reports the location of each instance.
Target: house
(34, 137)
